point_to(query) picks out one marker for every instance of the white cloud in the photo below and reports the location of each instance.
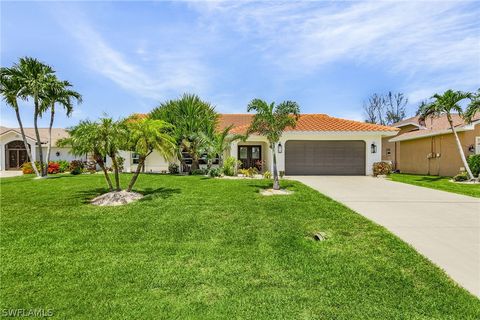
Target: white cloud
(429, 44)
(169, 73)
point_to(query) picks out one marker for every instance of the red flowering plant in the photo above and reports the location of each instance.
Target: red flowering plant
(53, 167)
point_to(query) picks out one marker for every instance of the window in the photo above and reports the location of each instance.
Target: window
(389, 152)
(477, 145)
(135, 158)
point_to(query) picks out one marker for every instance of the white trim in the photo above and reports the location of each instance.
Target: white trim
(410, 123)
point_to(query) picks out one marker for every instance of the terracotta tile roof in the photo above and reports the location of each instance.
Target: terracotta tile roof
(432, 126)
(306, 122)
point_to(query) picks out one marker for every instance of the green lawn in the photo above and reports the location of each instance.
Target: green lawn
(436, 182)
(199, 248)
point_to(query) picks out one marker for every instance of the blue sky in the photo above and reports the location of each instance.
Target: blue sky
(127, 57)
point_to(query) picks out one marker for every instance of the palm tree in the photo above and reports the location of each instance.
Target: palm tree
(57, 92)
(86, 138)
(113, 135)
(32, 76)
(146, 135)
(447, 103)
(191, 118)
(473, 107)
(270, 121)
(9, 89)
(219, 142)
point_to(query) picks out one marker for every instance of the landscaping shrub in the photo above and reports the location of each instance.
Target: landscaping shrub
(90, 166)
(230, 166)
(216, 172)
(27, 167)
(250, 172)
(281, 173)
(267, 175)
(474, 164)
(63, 165)
(199, 172)
(462, 176)
(76, 167)
(173, 168)
(381, 168)
(53, 167)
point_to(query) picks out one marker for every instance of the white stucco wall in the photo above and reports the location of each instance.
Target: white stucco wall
(9, 137)
(367, 137)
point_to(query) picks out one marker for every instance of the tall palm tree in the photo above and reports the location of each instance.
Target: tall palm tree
(473, 107)
(145, 136)
(447, 103)
(9, 89)
(57, 92)
(270, 120)
(191, 118)
(219, 142)
(113, 135)
(86, 138)
(32, 76)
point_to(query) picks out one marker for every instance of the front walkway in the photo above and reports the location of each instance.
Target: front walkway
(10, 173)
(443, 226)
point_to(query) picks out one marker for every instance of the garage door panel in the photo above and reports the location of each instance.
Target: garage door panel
(305, 157)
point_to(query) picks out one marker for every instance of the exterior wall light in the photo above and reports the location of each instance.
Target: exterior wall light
(279, 147)
(57, 153)
(373, 148)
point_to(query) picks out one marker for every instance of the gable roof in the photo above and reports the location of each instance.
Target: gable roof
(433, 126)
(306, 122)
(57, 133)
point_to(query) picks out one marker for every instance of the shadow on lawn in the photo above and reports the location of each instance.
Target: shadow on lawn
(163, 193)
(430, 179)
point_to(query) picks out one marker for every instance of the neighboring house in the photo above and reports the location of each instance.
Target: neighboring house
(12, 149)
(430, 147)
(318, 145)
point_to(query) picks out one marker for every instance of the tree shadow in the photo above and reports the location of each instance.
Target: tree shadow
(162, 193)
(430, 179)
(88, 195)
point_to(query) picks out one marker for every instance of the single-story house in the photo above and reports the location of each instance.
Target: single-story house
(12, 149)
(429, 147)
(318, 145)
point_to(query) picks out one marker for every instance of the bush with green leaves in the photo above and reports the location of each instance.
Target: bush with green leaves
(249, 173)
(76, 167)
(215, 172)
(63, 165)
(381, 168)
(199, 172)
(173, 168)
(267, 175)
(462, 176)
(474, 164)
(230, 166)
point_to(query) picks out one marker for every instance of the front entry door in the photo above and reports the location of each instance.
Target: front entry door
(251, 156)
(16, 158)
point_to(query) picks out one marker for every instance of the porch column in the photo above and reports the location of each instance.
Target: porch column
(234, 149)
(2, 157)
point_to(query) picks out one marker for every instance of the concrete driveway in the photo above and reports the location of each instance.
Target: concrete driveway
(443, 226)
(10, 173)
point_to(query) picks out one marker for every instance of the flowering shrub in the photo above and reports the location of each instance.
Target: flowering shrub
(53, 167)
(381, 168)
(76, 167)
(27, 167)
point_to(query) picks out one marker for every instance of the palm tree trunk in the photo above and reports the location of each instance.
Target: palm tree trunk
(24, 138)
(276, 182)
(49, 149)
(37, 136)
(141, 162)
(460, 150)
(100, 162)
(115, 170)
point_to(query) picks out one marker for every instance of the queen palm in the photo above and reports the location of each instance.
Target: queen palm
(32, 77)
(447, 103)
(9, 89)
(473, 107)
(145, 136)
(219, 142)
(86, 138)
(270, 120)
(57, 92)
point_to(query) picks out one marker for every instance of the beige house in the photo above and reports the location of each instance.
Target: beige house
(430, 147)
